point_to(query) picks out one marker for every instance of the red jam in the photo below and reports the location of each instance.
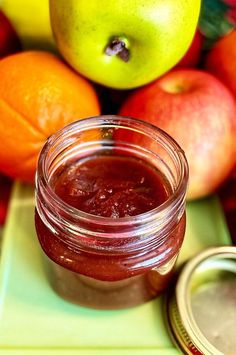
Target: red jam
(110, 186)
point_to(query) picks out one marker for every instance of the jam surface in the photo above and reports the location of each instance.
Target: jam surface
(112, 186)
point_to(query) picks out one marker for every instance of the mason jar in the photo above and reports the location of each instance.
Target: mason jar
(103, 248)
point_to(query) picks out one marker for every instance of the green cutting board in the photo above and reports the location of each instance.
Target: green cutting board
(35, 320)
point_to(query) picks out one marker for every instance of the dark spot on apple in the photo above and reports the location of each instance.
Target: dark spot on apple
(179, 89)
(118, 47)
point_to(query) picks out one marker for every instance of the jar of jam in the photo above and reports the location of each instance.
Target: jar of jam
(110, 210)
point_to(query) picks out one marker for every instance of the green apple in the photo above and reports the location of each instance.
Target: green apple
(32, 22)
(124, 43)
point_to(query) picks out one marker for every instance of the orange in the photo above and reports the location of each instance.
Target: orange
(38, 95)
(221, 60)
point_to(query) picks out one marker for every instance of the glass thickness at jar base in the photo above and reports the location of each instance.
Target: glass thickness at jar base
(92, 293)
(131, 291)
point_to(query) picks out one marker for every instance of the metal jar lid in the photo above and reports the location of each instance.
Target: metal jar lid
(201, 305)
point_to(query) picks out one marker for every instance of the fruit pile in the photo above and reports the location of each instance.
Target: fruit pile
(148, 61)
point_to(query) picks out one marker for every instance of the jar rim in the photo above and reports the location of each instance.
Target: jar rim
(96, 122)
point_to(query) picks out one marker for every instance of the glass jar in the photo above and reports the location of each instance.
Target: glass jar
(105, 262)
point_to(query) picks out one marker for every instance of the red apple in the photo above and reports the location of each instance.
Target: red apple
(199, 112)
(230, 2)
(221, 60)
(9, 41)
(5, 189)
(193, 55)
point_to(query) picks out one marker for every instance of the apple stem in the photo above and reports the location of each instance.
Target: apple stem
(118, 47)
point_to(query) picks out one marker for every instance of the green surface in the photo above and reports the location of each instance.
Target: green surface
(33, 317)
